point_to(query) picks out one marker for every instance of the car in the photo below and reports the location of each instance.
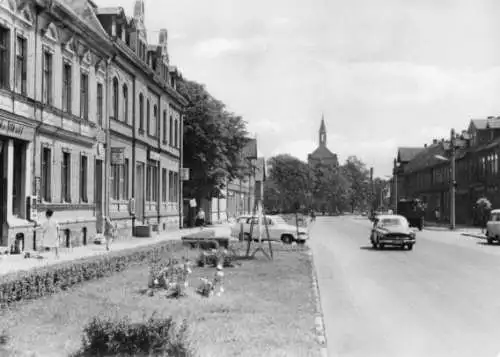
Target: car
(392, 230)
(236, 226)
(279, 230)
(493, 227)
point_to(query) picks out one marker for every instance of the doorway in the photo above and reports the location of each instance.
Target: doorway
(98, 195)
(139, 192)
(3, 189)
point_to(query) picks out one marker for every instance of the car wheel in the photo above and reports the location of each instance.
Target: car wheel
(381, 246)
(410, 246)
(246, 236)
(287, 239)
(489, 240)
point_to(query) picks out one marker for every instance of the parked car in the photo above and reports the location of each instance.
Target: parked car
(493, 227)
(236, 226)
(393, 230)
(279, 230)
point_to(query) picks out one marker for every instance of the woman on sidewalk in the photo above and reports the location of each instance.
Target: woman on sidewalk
(110, 232)
(50, 233)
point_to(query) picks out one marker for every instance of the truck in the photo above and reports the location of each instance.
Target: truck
(413, 210)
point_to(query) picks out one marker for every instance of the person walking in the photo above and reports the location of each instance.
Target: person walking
(50, 233)
(313, 216)
(110, 232)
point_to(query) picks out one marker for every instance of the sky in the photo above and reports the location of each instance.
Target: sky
(384, 74)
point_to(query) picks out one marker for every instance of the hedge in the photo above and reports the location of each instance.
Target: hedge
(48, 280)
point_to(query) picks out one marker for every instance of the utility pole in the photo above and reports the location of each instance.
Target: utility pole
(372, 193)
(452, 181)
(395, 183)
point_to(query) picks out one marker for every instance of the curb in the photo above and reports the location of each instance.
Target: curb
(318, 319)
(473, 235)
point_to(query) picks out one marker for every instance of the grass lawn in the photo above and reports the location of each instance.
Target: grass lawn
(266, 310)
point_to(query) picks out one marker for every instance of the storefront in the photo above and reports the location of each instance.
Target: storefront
(16, 183)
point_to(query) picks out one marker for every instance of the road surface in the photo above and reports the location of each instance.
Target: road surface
(441, 299)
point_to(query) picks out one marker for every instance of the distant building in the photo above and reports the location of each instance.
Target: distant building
(322, 154)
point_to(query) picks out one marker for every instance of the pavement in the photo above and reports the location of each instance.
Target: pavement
(10, 263)
(440, 299)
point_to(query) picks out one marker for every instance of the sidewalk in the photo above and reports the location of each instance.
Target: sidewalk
(465, 230)
(10, 263)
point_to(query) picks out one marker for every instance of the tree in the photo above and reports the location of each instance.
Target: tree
(213, 139)
(329, 188)
(358, 176)
(288, 183)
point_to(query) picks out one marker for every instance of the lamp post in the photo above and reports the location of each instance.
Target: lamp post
(452, 160)
(395, 184)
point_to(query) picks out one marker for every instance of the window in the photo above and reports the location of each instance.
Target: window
(171, 186)
(83, 178)
(152, 182)
(66, 177)
(164, 126)
(124, 191)
(66, 99)
(164, 185)
(84, 95)
(21, 61)
(171, 130)
(125, 103)
(141, 113)
(47, 78)
(154, 121)
(148, 117)
(148, 182)
(176, 139)
(46, 174)
(115, 98)
(4, 58)
(119, 181)
(99, 103)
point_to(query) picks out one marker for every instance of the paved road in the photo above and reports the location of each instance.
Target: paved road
(441, 299)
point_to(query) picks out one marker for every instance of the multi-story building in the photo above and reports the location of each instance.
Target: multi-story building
(428, 174)
(89, 119)
(145, 124)
(52, 95)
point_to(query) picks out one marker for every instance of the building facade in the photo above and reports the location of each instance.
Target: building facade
(90, 121)
(477, 171)
(145, 125)
(322, 154)
(51, 127)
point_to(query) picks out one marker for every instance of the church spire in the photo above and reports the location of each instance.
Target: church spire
(322, 132)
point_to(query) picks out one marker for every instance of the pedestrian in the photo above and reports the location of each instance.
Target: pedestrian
(313, 216)
(437, 214)
(200, 218)
(50, 233)
(109, 232)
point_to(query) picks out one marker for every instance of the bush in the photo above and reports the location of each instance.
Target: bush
(35, 283)
(154, 337)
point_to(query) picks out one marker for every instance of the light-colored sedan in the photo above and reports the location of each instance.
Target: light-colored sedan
(279, 230)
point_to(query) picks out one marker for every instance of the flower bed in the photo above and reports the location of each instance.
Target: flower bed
(35, 283)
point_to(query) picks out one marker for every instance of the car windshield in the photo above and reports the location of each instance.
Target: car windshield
(495, 217)
(392, 222)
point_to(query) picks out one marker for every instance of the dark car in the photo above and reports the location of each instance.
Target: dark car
(414, 211)
(392, 230)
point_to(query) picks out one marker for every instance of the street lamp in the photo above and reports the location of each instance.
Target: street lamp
(453, 174)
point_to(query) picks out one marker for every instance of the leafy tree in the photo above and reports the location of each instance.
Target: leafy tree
(358, 177)
(288, 183)
(329, 188)
(212, 142)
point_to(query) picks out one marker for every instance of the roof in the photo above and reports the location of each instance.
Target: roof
(406, 154)
(486, 123)
(322, 152)
(85, 11)
(387, 216)
(426, 158)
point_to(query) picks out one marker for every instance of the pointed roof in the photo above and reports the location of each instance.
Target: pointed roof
(322, 152)
(406, 154)
(322, 126)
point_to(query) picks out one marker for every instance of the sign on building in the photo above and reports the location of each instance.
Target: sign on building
(153, 155)
(185, 174)
(117, 156)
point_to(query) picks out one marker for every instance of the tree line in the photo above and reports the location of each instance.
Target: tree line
(293, 184)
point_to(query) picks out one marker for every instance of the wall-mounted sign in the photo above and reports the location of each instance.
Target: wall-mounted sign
(117, 156)
(37, 188)
(100, 149)
(185, 174)
(10, 128)
(153, 155)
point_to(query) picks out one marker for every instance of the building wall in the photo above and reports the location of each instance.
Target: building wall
(38, 110)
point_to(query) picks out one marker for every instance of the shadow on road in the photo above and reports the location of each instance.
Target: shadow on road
(489, 244)
(369, 247)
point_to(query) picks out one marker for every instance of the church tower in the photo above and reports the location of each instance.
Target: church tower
(322, 132)
(322, 154)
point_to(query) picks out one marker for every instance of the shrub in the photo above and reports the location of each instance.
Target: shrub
(154, 337)
(171, 275)
(35, 283)
(215, 257)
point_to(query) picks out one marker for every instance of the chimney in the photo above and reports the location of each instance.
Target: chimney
(425, 146)
(434, 141)
(490, 117)
(163, 37)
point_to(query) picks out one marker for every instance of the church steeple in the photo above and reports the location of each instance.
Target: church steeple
(322, 132)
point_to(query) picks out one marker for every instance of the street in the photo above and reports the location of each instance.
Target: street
(441, 299)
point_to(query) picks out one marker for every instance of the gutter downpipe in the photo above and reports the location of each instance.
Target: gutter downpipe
(134, 128)
(107, 166)
(181, 167)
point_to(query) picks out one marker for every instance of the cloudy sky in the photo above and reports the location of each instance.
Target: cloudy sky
(385, 73)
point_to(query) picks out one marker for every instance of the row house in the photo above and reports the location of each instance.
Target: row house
(74, 136)
(145, 125)
(52, 95)
(428, 175)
